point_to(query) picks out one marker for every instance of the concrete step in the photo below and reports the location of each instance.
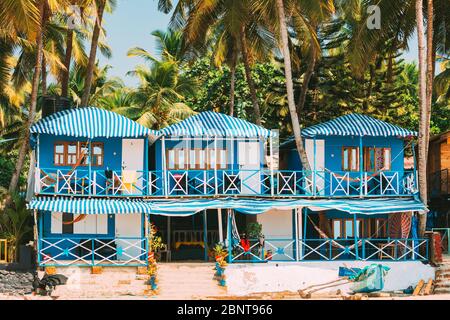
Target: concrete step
(442, 291)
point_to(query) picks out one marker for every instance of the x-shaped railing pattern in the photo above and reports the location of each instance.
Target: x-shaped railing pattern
(89, 252)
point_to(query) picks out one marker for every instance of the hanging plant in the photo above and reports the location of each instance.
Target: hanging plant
(220, 254)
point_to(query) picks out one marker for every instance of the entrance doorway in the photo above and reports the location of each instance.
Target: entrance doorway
(185, 237)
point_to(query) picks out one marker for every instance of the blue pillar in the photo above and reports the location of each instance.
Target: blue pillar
(40, 235)
(415, 164)
(361, 169)
(90, 165)
(314, 166)
(229, 236)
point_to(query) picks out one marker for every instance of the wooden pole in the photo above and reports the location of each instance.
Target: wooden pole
(205, 235)
(169, 235)
(219, 221)
(355, 225)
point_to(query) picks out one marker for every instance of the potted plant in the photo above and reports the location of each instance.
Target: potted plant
(220, 254)
(254, 232)
(154, 244)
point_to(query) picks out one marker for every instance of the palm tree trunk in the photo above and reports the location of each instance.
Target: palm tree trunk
(248, 75)
(233, 80)
(423, 116)
(93, 53)
(290, 87)
(44, 77)
(431, 54)
(33, 101)
(67, 59)
(307, 77)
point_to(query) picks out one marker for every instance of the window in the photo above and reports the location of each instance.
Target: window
(59, 154)
(377, 228)
(350, 159)
(377, 159)
(70, 153)
(97, 154)
(63, 223)
(196, 159)
(343, 228)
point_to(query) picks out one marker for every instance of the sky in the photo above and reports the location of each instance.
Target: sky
(130, 26)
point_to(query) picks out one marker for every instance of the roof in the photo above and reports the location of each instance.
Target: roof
(243, 205)
(357, 125)
(90, 122)
(210, 123)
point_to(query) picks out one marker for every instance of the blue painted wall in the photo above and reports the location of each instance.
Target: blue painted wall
(333, 151)
(171, 144)
(112, 151)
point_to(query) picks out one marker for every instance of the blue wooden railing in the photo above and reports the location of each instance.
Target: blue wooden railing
(82, 251)
(285, 250)
(264, 182)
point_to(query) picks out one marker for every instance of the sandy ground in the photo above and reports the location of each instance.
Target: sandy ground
(274, 296)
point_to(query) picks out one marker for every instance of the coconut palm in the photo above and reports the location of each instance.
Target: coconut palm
(33, 99)
(100, 7)
(160, 94)
(233, 28)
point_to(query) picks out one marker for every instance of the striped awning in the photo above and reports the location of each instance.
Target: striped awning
(243, 205)
(211, 123)
(91, 122)
(357, 125)
(257, 206)
(90, 206)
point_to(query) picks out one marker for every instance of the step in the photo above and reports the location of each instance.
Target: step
(442, 291)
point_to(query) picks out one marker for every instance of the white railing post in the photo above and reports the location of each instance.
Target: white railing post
(215, 165)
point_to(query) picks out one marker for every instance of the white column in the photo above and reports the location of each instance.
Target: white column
(215, 164)
(168, 233)
(164, 167)
(298, 215)
(219, 219)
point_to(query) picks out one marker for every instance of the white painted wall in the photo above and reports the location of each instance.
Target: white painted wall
(276, 223)
(243, 279)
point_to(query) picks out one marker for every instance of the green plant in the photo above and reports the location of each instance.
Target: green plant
(155, 241)
(254, 230)
(15, 224)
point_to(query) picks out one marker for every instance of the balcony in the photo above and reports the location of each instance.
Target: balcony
(204, 183)
(284, 250)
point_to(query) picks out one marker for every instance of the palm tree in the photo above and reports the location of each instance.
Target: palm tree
(160, 94)
(15, 224)
(289, 85)
(33, 99)
(423, 113)
(234, 28)
(100, 6)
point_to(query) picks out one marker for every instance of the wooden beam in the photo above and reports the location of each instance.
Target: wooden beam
(427, 289)
(418, 288)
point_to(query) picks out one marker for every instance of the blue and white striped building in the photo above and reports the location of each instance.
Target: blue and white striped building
(100, 178)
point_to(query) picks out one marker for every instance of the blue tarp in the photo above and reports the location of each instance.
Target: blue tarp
(187, 207)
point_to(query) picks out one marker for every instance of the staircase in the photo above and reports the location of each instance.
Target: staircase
(442, 284)
(177, 281)
(111, 282)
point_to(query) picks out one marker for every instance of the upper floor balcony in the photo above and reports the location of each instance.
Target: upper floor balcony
(96, 153)
(232, 182)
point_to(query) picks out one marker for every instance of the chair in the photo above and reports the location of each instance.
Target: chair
(167, 251)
